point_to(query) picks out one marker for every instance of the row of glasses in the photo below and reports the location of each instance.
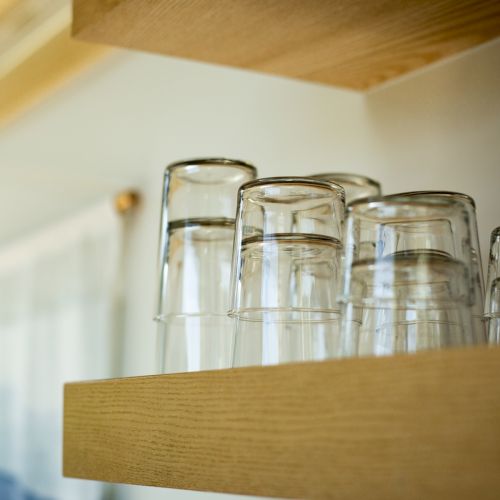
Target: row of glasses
(405, 275)
(197, 230)
(408, 282)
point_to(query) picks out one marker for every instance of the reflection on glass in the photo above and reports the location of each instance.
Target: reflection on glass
(407, 285)
(286, 269)
(477, 267)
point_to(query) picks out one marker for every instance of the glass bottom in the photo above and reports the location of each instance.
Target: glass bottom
(194, 343)
(387, 331)
(272, 343)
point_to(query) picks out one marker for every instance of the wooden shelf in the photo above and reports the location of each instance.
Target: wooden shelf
(356, 44)
(37, 53)
(413, 427)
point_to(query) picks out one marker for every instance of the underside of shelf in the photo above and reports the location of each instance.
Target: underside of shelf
(413, 427)
(356, 44)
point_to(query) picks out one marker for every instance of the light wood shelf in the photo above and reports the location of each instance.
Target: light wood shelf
(44, 72)
(412, 427)
(37, 54)
(350, 43)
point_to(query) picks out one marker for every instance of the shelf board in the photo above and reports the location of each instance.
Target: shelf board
(37, 54)
(355, 44)
(415, 426)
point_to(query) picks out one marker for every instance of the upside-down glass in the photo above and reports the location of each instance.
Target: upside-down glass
(407, 284)
(492, 303)
(286, 267)
(355, 186)
(477, 267)
(196, 240)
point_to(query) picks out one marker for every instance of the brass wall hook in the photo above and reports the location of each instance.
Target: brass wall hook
(126, 201)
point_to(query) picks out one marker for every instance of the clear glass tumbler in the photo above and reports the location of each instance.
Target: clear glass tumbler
(477, 267)
(492, 303)
(196, 240)
(286, 268)
(355, 186)
(407, 284)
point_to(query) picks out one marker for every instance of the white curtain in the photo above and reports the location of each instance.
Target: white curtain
(58, 316)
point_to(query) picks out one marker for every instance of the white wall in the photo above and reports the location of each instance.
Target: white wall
(131, 115)
(121, 123)
(440, 129)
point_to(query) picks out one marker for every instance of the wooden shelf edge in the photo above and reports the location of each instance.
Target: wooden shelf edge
(416, 426)
(353, 44)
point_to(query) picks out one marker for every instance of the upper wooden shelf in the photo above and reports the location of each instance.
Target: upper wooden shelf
(413, 427)
(350, 43)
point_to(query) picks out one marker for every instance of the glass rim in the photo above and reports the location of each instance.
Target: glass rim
(298, 180)
(402, 305)
(212, 161)
(491, 315)
(454, 195)
(356, 179)
(163, 318)
(426, 256)
(370, 202)
(202, 221)
(299, 238)
(263, 314)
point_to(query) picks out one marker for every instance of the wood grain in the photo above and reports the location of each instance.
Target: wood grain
(423, 426)
(350, 43)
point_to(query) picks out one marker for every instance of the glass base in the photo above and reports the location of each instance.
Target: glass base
(272, 343)
(194, 343)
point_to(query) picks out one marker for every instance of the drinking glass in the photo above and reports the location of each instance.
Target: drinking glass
(477, 267)
(196, 239)
(492, 303)
(355, 186)
(407, 284)
(286, 268)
